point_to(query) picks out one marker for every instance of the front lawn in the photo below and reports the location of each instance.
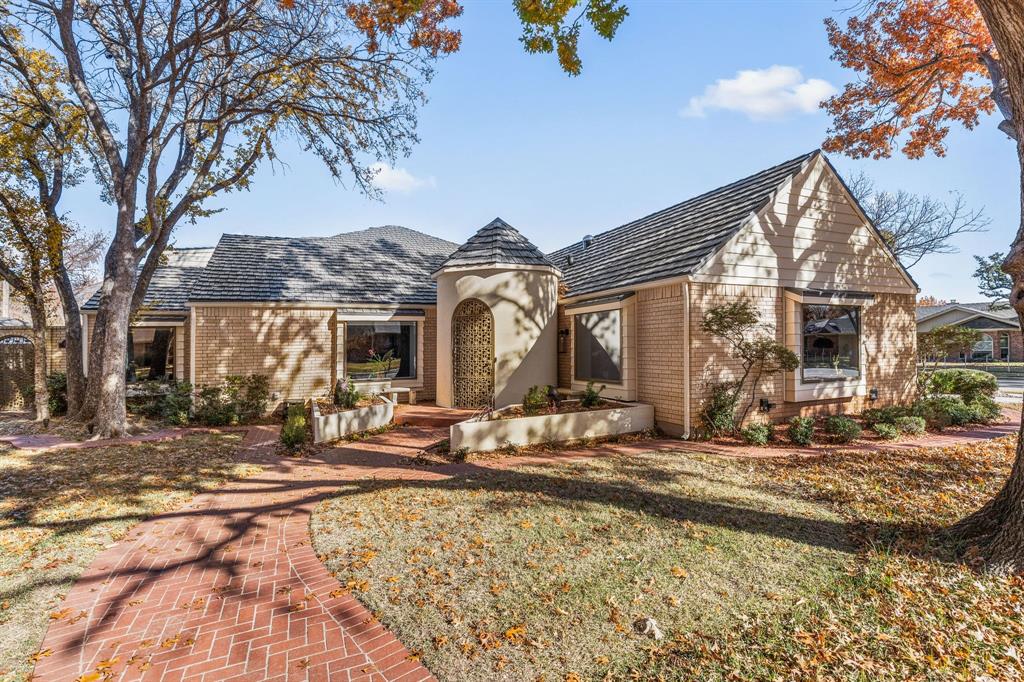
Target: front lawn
(515, 575)
(60, 508)
(786, 569)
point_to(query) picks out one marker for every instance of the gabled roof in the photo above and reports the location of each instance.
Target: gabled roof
(1004, 312)
(496, 243)
(381, 265)
(172, 281)
(671, 242)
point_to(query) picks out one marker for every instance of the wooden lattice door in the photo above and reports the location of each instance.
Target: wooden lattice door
(472, 354)
(17, 368)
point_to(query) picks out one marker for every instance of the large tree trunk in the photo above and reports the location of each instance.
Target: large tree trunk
(104, 404)
(998, 527)
(72, 339)
(40, 344)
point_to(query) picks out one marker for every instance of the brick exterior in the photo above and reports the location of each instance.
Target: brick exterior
(428, 362)
(295, 347)
(1016, 347)
(889, 343)
(56, 360)
(660, 354)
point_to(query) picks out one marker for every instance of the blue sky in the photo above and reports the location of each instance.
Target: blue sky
(508, 134)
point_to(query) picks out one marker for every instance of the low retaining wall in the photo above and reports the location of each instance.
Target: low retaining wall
(328, 427)
(481, 435)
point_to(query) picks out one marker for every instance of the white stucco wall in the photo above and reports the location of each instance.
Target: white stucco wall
(524, 305)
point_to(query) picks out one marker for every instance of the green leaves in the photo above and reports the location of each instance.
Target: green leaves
(555, 26)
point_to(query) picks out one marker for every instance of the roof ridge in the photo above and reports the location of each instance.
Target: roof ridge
(703, 195)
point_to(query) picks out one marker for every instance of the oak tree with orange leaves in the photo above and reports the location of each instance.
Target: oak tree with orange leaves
(924, 66)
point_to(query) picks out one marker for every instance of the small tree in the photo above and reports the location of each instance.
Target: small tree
(753, 343)
(993, 283)
(939, 343)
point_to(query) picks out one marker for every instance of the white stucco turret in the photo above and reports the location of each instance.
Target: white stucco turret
(518, 287)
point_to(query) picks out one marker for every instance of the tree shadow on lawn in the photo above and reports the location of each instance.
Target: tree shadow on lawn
(299, 484)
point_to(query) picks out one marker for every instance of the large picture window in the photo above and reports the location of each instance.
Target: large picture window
(381, 350)
(598, 352)
(150, 353)
(831, 342)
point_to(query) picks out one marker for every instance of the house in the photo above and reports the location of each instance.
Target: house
(1000, 341)
(479, 323)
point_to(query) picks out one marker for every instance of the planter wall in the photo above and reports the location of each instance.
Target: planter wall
(328, 427)
(479, 435)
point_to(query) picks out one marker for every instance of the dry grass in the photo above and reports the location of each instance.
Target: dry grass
(544, 571)
(60, 508)
(830, 568)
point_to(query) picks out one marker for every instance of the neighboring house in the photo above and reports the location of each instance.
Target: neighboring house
(1001, 339)
(480, 323)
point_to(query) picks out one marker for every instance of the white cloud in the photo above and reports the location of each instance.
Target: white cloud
(761, 94)
(393, 179)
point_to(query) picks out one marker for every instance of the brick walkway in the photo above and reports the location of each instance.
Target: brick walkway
(228, 587)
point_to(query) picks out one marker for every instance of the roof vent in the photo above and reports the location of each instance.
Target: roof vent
(588, 239)
(571, 260)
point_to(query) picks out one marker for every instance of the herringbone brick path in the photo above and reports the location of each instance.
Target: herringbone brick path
(228, 587)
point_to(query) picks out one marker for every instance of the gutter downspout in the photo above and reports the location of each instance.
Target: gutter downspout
(192, 346)
(686, 359)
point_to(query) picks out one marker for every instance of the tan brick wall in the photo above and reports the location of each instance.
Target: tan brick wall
(294, 347)
(56, 360)
(186, 332)
(429, 359)
(660, 354)
(889, 342)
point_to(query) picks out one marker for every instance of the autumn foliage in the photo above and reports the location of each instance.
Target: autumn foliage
(923, 65)
(425, 19)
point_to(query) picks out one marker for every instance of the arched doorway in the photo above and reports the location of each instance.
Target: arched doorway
(472, 354)
(17, 366)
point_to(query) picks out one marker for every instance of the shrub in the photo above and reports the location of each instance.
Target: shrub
(969, 384)
(756, 434)
(845, 429)
(147, 398)
(248, 395)
(458, 456)
(717, 413)
(937, 411)
(346, 394)
(212, 408)
(294, 432)
(591, 395)
(984, 410)
(883, 415)
(535, 400)
(801, 430)
(176, 405)
(57, 386)
(887, 431)
(912, 426)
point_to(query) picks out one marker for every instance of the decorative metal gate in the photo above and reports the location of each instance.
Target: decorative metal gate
(17, 364)
(472, 354)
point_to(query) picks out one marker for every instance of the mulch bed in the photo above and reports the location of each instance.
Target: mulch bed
(564, 407)
(327, 406)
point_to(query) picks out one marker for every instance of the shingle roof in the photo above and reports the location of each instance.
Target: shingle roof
(382, 265)
(13, 323)
(1004, 312)
(671, 242)
(172, 281)
(495, 243)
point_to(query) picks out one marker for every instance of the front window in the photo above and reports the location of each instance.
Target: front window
(599, 346)
(831, 342)
(381, 350)
(150, 353)
(1004, 347)
(982, 350)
